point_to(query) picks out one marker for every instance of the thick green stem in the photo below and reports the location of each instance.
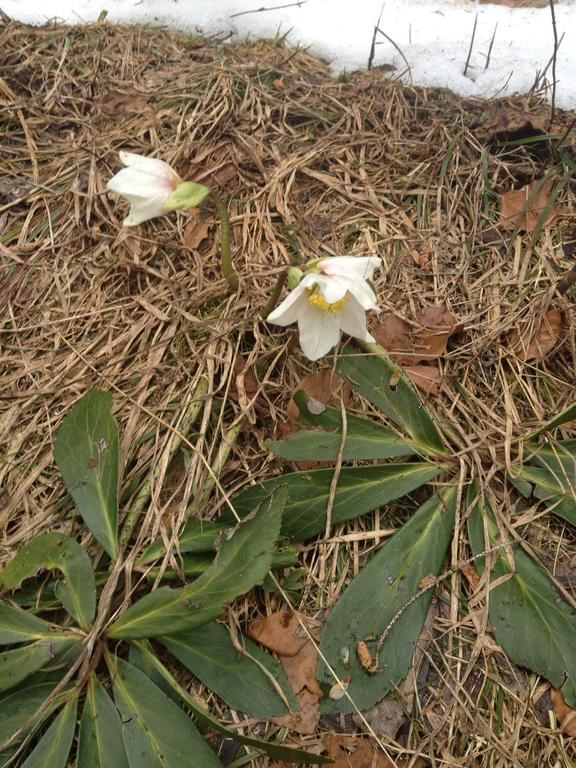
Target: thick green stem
(225, 242)
(145, 492)
(273, 300)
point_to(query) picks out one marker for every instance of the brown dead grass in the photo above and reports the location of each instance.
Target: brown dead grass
(319, 167)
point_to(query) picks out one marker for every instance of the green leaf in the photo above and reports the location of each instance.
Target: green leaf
(77, 592)
(370, 375)
(100, 742)
(243, 561)
(18, 664)
(155, 731)
(54, 747)
(17, 625)
(374, 599)
(531, 621)
(359, 490)
(86, 451)
(365, 439)
(197, 536)
(17, 708)
(276, 751)
(209, 653)
(568, 414)
(187, 195)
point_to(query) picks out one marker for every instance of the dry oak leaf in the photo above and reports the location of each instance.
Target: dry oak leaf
(280, 632)
(358, 752)
(510, 122)
(524, 208)
(564, 713)
(305, 721)
(408, 345)
(197, 229)
(118, 103)
(425, 377)
(538, 345)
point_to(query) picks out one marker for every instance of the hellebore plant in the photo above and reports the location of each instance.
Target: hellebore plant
(153, 188)
(332, 296)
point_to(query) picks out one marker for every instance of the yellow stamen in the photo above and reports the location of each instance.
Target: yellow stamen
(317, 300)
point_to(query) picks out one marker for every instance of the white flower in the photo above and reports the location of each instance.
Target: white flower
(332, 299)
(146, 184)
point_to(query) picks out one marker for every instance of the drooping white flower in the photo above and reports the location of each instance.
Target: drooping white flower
(330, 300)
(147, 184)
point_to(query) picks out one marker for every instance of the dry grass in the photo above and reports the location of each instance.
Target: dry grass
(312, 166)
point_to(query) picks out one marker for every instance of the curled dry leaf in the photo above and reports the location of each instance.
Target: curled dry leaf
(538, 345)
(564, 713)
(512, 123)
(118, 103)
(425, 377)
(525, 208)
(283, 633)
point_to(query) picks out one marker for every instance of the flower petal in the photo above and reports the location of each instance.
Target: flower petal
(319, 331)
(149, 165)
(137, 185)
(333, 288)
(353, 267)
(353, 320)
(364, 295)
(143, 210)
(288, 311)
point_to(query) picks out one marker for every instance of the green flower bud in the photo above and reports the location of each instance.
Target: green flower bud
(294, 277)
(186, 195)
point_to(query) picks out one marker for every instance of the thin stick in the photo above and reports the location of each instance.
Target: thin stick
(554, 57)
(471, 46)
(297, 4)
(373, 44)
(225, 248)
(337, 470)
(408, 67)
(490, 47)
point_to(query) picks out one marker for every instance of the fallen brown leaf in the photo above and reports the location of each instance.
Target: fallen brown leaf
(425, 377)
(359, 752)
(426, 340)
(197, 229)
(118, 103)
(512, 123)
(540, 343)
(225, 174)
(279, 632)
(564, 713)
(524, 208)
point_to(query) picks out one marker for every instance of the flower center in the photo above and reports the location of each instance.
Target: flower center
(317, 300)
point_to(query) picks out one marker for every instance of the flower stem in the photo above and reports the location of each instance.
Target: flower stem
(225, 248)
(273, 300)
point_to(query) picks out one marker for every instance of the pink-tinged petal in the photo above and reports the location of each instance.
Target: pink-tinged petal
(352, 267)
(289, 310)
(353, 320)
(145, 209)
(333, 288)
(319, 331)
(150, 165)
(136, 185)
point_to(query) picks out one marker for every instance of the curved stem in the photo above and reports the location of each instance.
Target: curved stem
(273, 300)
(225, 248)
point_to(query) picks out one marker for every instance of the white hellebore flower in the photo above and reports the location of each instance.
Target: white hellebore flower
(331, 299)
(146, 184)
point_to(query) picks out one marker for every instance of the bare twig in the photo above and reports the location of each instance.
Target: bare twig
(471, 45)
(373, 44)
(490, 47)
(554, 57)
(297, 4)
(408, 67)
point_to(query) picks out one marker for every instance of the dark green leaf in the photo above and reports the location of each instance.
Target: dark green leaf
(17, 708)
(568, 414)
(209, 653)
(243, 561)
(18, 664)
(77, 592)
(531, 621)
(276, 751)
(374, 599)
(86, 451)
(54, 747)
(371, 376)
(17, 625)
(100, 742)
(196, 536)
(155, 731)
(359, 490)
(365, 439)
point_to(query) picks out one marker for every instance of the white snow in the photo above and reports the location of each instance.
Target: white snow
(433, 35)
